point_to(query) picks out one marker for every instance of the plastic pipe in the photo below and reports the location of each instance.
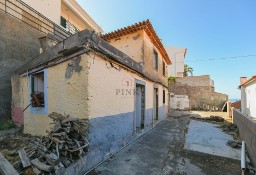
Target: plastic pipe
(243, 163)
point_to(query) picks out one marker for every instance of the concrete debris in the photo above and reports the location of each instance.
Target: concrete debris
(251, 169)
(230, 128)
(65, 144)
(234, 144)
(5, 167)
(24, 158)
(216, 119)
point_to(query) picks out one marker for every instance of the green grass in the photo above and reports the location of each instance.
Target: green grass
(7, 125)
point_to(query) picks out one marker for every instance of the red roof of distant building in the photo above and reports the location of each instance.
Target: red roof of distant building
(236, 104)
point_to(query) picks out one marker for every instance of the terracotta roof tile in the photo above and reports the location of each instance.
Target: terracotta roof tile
(236, 104)
(148, 28)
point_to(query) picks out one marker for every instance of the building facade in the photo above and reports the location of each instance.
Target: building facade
(22, 24)
(248, 96)
(177, 54)
(92, 79)
(244, 118)
(65, 13)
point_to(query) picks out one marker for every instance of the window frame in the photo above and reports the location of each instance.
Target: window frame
(164, 70)
(62, 19)
(164, 96)
(156, 58)
(33, 76)
(44, 109)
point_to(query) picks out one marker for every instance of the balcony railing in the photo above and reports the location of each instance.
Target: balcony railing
(28, 15)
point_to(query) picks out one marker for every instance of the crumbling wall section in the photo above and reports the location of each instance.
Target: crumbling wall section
(199, 96)
(18, 44)
(131, 45)
(67, 94)
(203, 80)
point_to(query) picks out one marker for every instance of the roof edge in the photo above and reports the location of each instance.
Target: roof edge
(248, 81)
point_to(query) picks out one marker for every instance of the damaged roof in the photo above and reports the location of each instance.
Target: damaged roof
(148, 28)
(77, 44)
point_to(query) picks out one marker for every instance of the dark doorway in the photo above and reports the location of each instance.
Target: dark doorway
(156, 103)
(140, 106)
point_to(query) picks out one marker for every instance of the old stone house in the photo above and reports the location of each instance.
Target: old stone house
(120, 93)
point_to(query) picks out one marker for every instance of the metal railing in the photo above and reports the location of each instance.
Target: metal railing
(28, 15)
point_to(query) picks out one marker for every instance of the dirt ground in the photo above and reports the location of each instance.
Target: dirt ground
(160, 152)
(10, 143)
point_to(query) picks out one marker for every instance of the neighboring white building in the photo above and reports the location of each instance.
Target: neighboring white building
(66, 13)
(177, 55)
(248, 96)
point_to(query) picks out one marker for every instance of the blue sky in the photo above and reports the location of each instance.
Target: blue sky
(208, 28)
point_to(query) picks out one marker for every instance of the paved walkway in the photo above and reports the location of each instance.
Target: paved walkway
(208, 138)
(161, 152)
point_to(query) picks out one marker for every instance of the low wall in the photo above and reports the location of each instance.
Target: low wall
(247, 132)
(179, 102)
(195, 81)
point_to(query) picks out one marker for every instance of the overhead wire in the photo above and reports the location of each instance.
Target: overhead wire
(222, 58)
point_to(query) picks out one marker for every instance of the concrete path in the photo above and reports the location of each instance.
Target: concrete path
(207, 138)
(161, 152)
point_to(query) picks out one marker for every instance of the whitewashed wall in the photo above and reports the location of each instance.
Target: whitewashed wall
(248, 97)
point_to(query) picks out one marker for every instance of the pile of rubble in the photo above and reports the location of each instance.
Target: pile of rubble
(234, 144)
(231, 129)
(65, 144)
(211, 118)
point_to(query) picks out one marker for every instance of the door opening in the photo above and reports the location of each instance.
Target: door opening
(156, 103)
(140, 106)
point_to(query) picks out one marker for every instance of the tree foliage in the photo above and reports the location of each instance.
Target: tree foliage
(187, 70)
(171, 78)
